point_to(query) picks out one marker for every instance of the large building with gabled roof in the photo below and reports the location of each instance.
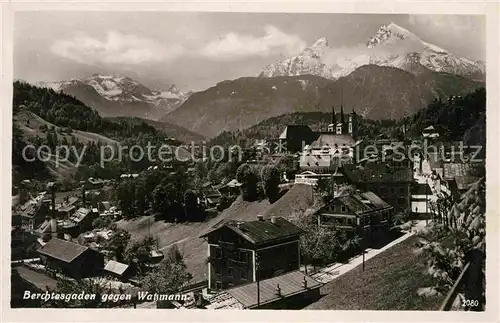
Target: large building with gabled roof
(390, 182)
(244, 252)
(71, 259)
(356, 212)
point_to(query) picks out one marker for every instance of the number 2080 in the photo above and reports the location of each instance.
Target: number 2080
(470, 302)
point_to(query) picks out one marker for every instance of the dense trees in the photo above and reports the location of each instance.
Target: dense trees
(65, 111)
(452, 117)
(104, 222)
(247, 176)
(324, 245)
(169, 276)
(118, 244)
(140, 253)
(270, 181)
(21, 167)
(170, 195)
(458, 118)
(460, 239)
(87, 286)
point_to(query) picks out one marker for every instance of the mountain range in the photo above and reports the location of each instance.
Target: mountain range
(393, 75)
(392, 46)
(375, 92)
(113, 95)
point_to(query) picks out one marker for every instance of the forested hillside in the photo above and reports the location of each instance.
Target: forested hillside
(43, 116)
(456, 118)
(65, 111)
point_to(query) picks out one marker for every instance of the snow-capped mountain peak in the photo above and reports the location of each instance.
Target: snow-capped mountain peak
(309, 61)
(392, 45)
(390, 33)
(322, 42)
(124, 90)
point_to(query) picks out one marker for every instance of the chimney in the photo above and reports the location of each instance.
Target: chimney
(304, 282)
(53, 228)
(278, 290)
(260, 217)
(273, 219)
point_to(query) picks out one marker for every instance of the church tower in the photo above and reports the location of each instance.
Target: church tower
(352, 127)
(333, 121)
(342, 118)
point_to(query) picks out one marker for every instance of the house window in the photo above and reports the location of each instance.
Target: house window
(242, 256)
(243, 274)
(393, 190)
(401, 201)
(218, 253)
(230, 272)
(218, 285)
(342, 208)
(402, 190)
(218, 270)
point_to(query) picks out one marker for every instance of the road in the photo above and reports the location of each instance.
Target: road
(336, 270)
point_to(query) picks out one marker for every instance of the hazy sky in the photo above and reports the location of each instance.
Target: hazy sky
(197, 50)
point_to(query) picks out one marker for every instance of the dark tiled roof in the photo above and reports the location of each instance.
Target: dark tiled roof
(375, 200)
(61, 249)
(258, 232)
(296, 132)
(420, 189)
(354, 204)
(290, 284)
(377, 173)
(106, 205)
(332, 140)
(39, 280)
(360, 203)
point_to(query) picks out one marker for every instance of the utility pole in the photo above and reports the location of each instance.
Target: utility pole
(426, 201)
(257, 277)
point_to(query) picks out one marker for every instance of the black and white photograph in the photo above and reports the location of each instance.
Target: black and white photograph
(206, 160)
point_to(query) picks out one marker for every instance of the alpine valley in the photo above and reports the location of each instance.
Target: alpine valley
(392, 76)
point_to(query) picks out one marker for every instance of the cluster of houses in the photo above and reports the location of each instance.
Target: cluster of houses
(256, 264)
(54, 229)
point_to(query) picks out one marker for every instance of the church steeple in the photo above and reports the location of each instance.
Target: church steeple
(333, 121)
(352, 124)
(333, 117)
(342, 121)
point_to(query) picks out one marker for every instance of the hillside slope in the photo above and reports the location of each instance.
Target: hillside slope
(31, 124)
(33, 128)
(372, 91)
(167, 129)
(186, 235)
